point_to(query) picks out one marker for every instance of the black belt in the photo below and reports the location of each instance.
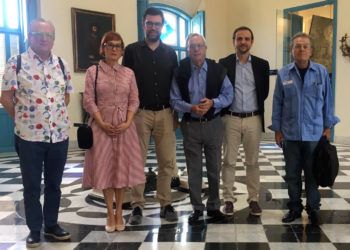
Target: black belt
(158, 108)
(200, 120)
(243, 115)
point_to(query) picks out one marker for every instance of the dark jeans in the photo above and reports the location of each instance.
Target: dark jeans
(298, 156)
(36, 157)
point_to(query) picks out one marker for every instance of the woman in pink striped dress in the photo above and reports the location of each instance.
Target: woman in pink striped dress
(114, 162)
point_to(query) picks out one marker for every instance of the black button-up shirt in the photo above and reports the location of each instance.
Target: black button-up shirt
(153, 71)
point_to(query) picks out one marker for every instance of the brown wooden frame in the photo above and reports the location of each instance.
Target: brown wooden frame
(88, 28)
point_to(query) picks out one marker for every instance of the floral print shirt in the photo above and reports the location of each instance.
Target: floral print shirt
(40, 88)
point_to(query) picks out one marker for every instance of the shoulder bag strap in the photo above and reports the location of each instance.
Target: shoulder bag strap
(96, 84)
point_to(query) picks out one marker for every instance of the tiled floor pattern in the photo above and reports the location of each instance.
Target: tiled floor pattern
(85, 218)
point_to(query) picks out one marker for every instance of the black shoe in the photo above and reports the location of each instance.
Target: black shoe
(33, 239)
(194, 216)
(175, 182)
(168, 213)
(315, 219)
(216, 214)
(57, 233)
(290, 216)
(136, 216)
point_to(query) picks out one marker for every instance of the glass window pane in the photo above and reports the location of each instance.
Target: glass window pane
(12, 17)
(1, 13)
(182, 30)
(183, 55)
(24, 18)
(169, 31)
(14, 45)
(2, 55)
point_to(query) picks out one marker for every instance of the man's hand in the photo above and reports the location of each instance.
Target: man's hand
(8, 103)
(176, 122)
(202, 108)
(198, 110)
(206, 103)
(279, 138)
(327, 133)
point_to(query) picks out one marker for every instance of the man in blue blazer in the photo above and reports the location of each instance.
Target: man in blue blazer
(244, 118)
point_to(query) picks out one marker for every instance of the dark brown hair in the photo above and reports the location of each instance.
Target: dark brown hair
(242, 28)
(152, 11)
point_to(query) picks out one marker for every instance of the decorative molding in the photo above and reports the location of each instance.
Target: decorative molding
(344, 47)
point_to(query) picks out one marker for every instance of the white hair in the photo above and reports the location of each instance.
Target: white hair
(191, 35)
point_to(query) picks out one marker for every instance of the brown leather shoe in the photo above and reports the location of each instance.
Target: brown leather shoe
(255, 208)
(228, 208)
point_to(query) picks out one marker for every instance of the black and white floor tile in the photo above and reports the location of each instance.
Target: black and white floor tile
(84, 216)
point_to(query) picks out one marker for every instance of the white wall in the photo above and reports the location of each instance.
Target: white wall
(216, 26)
(59, 12)
(342, 89)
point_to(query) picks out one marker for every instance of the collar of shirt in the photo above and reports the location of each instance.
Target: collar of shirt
(293, 66)
(106, 67)
(204, 67)
(144, 44)
(35, 56)
(249, 59)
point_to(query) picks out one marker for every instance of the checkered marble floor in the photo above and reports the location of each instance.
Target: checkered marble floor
(85, 218)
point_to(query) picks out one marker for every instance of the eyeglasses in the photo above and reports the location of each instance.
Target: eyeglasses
(113, 46)
(150, 24)
(300, 46)
(196, 46)
(42, 35)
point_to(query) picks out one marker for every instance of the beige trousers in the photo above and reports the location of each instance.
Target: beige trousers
(159, 125)
(248, 132)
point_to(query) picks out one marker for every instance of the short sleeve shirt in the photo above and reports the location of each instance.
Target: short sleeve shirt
(40, 87)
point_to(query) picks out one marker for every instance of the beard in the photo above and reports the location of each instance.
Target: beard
(243, 49)
(153, 36)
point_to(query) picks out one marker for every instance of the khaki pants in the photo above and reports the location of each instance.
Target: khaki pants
(247, 131)
(159, 125)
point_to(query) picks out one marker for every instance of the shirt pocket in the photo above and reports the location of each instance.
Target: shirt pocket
(314, 90)
(314, 99)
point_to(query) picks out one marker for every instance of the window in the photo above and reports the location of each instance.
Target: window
(12, 30)
(175, 30)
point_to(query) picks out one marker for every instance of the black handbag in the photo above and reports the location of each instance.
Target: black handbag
(325, 164)
(84, 133)
(85, 136)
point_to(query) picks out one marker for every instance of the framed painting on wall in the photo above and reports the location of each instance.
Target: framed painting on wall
(88, 28)
(321, 31)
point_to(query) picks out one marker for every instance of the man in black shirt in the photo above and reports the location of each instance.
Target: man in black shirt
(153, 63)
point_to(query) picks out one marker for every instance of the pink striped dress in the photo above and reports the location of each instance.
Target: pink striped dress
(112, 162)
